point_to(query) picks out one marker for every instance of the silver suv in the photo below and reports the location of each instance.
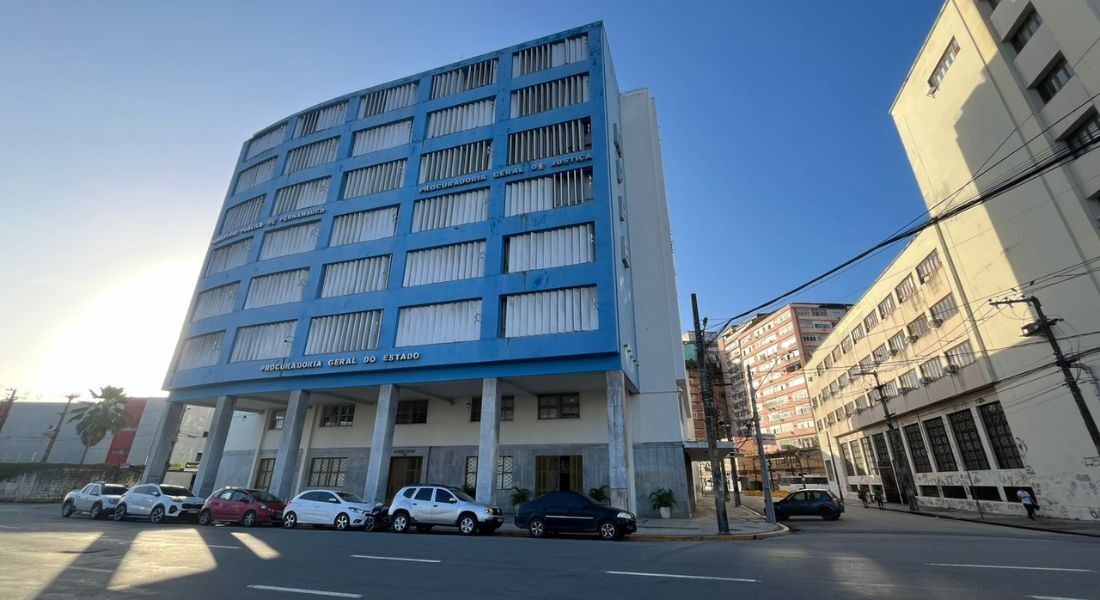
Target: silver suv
(98, 499)
(425, 506)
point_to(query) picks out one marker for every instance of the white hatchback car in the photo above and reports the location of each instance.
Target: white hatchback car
(158, 502)
(341, 510)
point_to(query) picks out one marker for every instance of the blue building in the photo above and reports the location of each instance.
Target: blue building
(468, 266)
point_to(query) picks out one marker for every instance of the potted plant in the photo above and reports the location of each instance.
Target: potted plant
(663, 500)
(519, 496)
(600, 494)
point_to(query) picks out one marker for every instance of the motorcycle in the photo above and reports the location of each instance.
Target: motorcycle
(378, 519)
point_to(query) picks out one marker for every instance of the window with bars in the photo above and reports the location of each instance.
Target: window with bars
(880, 353)
(870, 321)
(338, 415)
(550, 95)
(931, 369)
(906, 289)
(857, 333)
(560, 190)
(945, 308)
(276, 420)
(857, 456)
(869, 454)
(1000, 436)
(264, 470)
(944, 64)
(1026, 29)
(897, 342)
(382, 101)
(412, 412)
(960, 355)
(504, 480)
(464, 78)
(327, 472)
(1058, 75)
(968, 440)
(242, 214)
(846, 343)
(553, 54)
(560, 406)
(886, 307)
(507, 409)
(456, 161)
(921, 463)
(470, 478)
(322, 118)
(908, 381)
(928, 267)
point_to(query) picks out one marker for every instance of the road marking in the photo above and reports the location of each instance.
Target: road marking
(422, 560)
(682, 576)
(92, 569)
(223, 547)
(1009, 567)
(1052, 598)
(274, 588)
(7, 527)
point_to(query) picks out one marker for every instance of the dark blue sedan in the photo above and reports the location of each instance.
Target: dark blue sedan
(814, 503)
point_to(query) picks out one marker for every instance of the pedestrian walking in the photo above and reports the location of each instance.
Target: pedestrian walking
(1029, 502)
(863, 497)
(879, 498)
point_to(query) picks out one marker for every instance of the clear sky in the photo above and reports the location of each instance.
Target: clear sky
(120, 123)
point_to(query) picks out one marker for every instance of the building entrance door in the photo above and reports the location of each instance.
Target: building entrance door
(558, 473)
(886, 470)
(404, 470)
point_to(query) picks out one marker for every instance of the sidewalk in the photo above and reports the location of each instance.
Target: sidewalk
(1089, 528)
(744, 525)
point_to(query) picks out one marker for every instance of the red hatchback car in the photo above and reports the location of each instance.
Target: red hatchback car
(241, 505)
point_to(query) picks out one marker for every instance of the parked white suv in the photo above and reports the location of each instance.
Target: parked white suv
(158, 502)
(326, 507)
(425, 506)
(98, 499)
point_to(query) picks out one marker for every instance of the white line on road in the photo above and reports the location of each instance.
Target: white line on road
(274, 588)
(1009, 567)
(7, 527)
(222, 547)
(682, 576)
(1052, 598)
(92, 569)
(422, 560)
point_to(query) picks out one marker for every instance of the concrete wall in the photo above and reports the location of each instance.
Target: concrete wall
(51, 485)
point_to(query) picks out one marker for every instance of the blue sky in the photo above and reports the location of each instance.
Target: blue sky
(120, 123)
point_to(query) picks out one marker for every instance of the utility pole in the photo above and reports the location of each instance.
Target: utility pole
(8, 402)
(57, 430)
(1044, 326)
(765, 477)
(893, 437)
(716, 470)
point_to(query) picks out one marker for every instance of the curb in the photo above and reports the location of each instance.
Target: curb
(995, 523)
(646, 537)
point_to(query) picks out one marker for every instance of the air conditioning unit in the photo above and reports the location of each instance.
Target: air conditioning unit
(913, 338)
(893, 352)
(936, 322)
(951, 369)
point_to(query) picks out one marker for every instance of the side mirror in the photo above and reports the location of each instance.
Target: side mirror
(453, 500)
(94, 494)
(157, 494)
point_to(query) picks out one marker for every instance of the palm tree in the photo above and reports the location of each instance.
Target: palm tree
(96, 420)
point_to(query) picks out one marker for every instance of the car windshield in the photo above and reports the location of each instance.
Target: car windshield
(263, 496)
(114, 490)
(349, 497)
(175, 490)
(463, 496)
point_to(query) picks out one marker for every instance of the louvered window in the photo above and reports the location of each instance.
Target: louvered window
(364, 226)
(259, 342)
(322, 119)
(464, 78)
(291, 240)
(450, 210)
(374, 179)
(245, 213)
(311, 155)
(229, 257)
(439, 323)
(567, 188)
(556, 311)
(462, 117)
(277, 288)
(266, 141)
(301, 195)
(216, 301)
(201, 351)
(553, 248)
(550, 95)
(453, 162)
(385, 136)
(382, 101)
(445, 263)
(344, 333)
(552, 140)
(255, 175)
(356, 276)
(547, 56)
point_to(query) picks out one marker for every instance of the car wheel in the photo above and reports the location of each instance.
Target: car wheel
(120, 512)
(608, 530)
(342, 522)
(423, 528)
(249, 519)
(67, 510)
(829, 514)
(467, 524)
(206, 518)
(536, 528)
(96, 513)
(369, 523)
(290, 520)
(157, 515)
(400, 523)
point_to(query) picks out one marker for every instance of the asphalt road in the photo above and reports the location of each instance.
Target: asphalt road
(867, 554)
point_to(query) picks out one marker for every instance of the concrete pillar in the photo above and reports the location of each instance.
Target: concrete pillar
(488, 445)
(618, 481)
(160, 453)
(282, 479)
(215, 444)
(381, 446)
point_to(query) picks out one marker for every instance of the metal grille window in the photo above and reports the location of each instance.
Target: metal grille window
(857, 333)
(550, 95)
(265, 141)
(880, 353)
(456, 161)
(928, 267)
(229, 257)
(890, 389)
(277, 288)
(439, 323)
(931, 370)
(216, 301)
(1000, 436)
(869, 454)
(897, 342)
(556, 311)
(846, 344)
(552, 248)
(970, 443)
(960, 355)
(906, 289)
(921, 464)
(412, 412)
(857, 456)
(879, 441)
(390, 135)
(551, 140)
(560, 406)
(348, 332)
(886, 307)
(548, 56)
(450, 210)
(301, 195)
(245, 213)
(1087, 132)
(567, 188)
(504, 472)
(1027, 28)
(327, 472)
(507, 409)
(945, 309)
(445, 263)
(374, 179)
(255, 175)
(464, 78)
(382, 101)
(201, 351)
(291, 240)
(470, 479)
(260, 342)
(918, 327)
(1058, 75)
(278, 418)
(356, 276)
(870, 321)
(849, 464)
(364, 226)
(908, 381)
(264, 470)
(322, 118)
(311, 155)
(338, 415)
(462, 117)
(944, 64)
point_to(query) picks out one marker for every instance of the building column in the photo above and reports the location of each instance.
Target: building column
(215, 445)
(381, 445)
(488, 445)
(156, 465)
(616, 440)
(282, 478)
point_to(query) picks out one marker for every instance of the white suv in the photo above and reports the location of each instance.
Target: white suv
(158, 502)
(98, 499)
(425, 506)
(326, 507)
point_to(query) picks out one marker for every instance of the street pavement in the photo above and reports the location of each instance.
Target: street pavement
(867, 554)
